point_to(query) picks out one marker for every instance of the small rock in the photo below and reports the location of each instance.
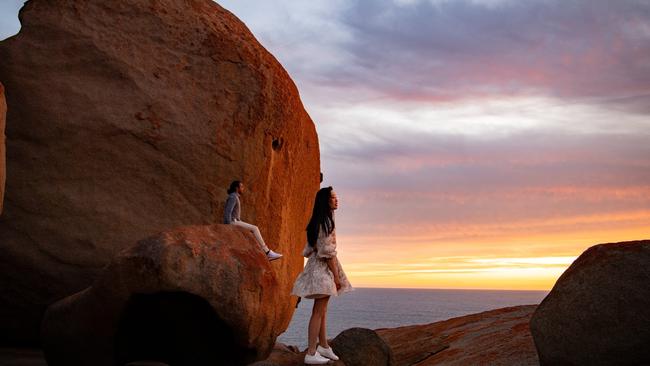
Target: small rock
(362, 347)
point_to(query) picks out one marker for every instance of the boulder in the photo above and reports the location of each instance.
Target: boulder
(195, 295)
(362, 347)
(3, 114)
(598, 312)
(127, 118)
(499, 337)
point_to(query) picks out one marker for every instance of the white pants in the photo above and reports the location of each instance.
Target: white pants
(255, 231)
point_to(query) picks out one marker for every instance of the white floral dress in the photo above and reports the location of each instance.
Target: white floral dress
(316, 279)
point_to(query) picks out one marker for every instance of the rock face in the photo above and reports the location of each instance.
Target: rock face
(598, 312)
(127, 118)
(362, 347)
(495, 337)
(3, 114)
(195, 295)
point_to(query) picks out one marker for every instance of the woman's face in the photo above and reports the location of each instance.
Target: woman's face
(241, 188)
(334, 201)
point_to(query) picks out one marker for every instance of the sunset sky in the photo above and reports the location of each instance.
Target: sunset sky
(473, 144)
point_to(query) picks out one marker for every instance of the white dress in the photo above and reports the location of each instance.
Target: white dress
(316, 280)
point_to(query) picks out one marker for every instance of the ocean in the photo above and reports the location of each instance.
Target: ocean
(388, 307)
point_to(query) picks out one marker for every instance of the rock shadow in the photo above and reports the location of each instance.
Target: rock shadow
(176, 328)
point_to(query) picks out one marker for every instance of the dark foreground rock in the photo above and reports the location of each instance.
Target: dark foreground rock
(22, 357)
(495, 337)
(598, 312)
(362, 347)
(127, 118)
(196, 295)
(3, 115)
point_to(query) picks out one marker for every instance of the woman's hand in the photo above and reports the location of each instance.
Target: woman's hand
(332, 264)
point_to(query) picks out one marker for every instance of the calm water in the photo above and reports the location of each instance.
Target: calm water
(386, 308)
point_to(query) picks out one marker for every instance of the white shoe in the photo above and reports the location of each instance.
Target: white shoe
(327, 352)
(271, 255)
(315, 359)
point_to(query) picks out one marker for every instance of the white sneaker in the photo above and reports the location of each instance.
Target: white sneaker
(327, 352)
(315, 359)
(271, 255)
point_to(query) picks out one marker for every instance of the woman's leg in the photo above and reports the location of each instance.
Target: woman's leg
(322, 335)
(320, 305)
(256, 231)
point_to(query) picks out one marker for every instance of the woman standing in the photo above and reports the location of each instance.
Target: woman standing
(322, 276)
(231, 215)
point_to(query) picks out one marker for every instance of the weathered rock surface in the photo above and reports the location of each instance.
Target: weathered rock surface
(354, 346)
(495, 337)
(362, 347)
(598, 312)
(127, 118)
(3, 114)
(195, 295)
(283, 355)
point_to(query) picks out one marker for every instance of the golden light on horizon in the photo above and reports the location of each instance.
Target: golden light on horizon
(515, 262)
(533, 273)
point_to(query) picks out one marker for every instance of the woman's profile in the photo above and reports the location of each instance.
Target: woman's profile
(322, 276)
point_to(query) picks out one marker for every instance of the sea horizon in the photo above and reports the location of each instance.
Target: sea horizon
(450, 288)
(379, 307)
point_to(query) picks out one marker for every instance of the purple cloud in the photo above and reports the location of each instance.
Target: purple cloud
(457, 49)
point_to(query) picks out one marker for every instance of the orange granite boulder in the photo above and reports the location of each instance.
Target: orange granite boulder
(127, 118)
(194, 295)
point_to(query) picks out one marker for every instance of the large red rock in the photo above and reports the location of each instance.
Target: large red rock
(598, 312)
(195, 295)
(130, 117)
(495, 337)
(3, 114)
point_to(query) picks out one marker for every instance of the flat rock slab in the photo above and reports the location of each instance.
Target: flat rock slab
(495, 337)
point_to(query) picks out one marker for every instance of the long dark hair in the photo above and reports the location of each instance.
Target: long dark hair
(321, 217)
(233, 186)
